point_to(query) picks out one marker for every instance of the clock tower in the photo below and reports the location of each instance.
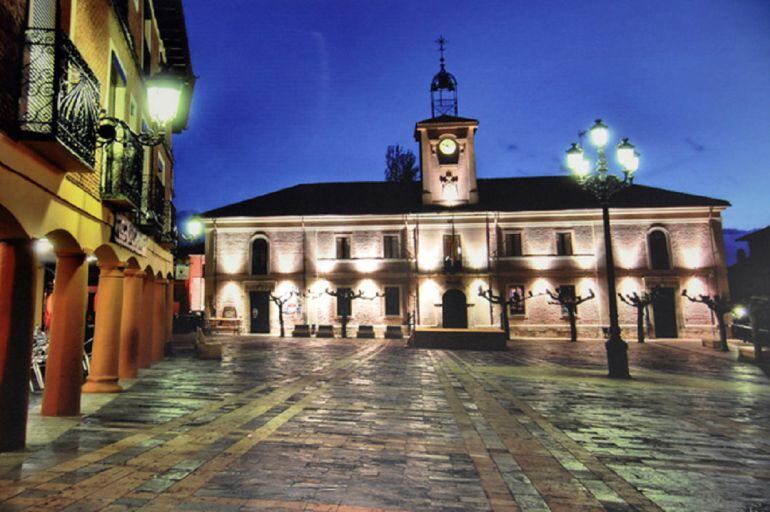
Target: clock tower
(447, 154)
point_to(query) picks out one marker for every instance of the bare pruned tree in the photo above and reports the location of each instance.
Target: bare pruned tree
(640, 302)
(569, 303)
(718, 305)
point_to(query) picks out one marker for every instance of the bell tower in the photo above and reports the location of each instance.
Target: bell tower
(447, 153)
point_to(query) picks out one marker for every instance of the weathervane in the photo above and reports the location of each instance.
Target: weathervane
(441, 41)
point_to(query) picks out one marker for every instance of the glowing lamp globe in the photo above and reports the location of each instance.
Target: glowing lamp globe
(574, 157)
(194, 228)
(600, 134)
(740, 312)
(627, 155)
(583, 168)
(164, 90)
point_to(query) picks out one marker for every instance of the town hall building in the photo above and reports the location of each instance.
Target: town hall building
(418, 253)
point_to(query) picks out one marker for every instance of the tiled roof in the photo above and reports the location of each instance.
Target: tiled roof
(496, 194)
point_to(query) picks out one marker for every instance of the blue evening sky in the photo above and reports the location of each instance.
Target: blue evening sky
(305, 91)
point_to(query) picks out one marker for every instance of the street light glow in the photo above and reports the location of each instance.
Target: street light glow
(164, 91)
(599, 134)
(574, 157)
(194, 227)
(740, 312)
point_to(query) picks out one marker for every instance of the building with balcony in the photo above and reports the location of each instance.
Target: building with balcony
(422, 250)
(86, 224)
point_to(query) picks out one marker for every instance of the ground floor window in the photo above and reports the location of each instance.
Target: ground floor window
(567, 291)
(392, 301)
(516, 291)
(343, 301)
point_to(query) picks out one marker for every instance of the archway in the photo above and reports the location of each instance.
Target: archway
(454, 309)
(17, 276)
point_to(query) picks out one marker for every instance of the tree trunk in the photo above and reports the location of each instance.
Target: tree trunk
(640, 324)
(504, 321)
(344, 326)
(572, 325)
(280, 320)
(723, 332)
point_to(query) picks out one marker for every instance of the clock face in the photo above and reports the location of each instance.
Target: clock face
(447, 146)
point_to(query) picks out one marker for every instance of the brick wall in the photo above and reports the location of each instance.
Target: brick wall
(12, 16)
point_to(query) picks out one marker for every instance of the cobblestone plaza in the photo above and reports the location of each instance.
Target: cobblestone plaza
(346, 425)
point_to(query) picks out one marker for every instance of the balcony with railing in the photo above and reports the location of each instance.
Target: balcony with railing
(59, 101)
(153, 213)
(122, 172)
(169, 235)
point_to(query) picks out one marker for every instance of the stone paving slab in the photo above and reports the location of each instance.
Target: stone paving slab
(351, 425)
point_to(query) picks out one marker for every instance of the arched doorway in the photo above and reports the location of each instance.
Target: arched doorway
(454, 310)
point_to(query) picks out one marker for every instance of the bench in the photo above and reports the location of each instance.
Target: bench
(394, 332)
(365, 331)
(301, 331)
(325, 331)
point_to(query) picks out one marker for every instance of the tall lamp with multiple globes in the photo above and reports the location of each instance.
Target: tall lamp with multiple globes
(164, 92)
(603, 185)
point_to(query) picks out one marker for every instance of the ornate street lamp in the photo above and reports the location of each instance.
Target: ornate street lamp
(164, 91)
(604, 185)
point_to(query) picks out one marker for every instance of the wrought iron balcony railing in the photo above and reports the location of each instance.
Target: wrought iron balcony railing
(153, 212)
(123, 168)
(59, 102)
(169, 235)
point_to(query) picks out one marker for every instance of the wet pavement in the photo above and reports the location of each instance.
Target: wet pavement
(353, 425)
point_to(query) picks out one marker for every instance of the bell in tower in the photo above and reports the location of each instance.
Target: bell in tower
(443, 89)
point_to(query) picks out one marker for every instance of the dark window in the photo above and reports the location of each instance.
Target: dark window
(512, 244)
(657, 244)
(390, 246)
(392, 301)
(564, 244)
(343, 247)
(343, 302)
(518, 307)
(453, 252)
(259, 257)
(567, 290)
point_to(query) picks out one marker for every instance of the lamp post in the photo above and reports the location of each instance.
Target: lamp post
(603, 185)
(164, 91)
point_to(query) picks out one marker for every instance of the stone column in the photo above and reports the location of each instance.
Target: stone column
(169, 309)
(159, 320)
(17, 278)
(130, 323)
(145, 335)
(64, 367)
(104, 360)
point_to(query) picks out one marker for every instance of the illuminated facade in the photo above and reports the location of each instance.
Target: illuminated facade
(80, 215)
(415, 249)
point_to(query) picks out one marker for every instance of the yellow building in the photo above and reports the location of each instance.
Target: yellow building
(86, 177)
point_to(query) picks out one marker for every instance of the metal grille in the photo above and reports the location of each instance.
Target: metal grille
(123, 166)
(59, 93)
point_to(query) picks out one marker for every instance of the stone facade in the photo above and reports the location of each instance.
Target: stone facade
(302, 257)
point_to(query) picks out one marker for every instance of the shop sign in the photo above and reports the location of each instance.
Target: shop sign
(127, 235)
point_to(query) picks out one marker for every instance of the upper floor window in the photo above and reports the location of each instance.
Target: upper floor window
(259, 256)
(512, 244)
(392, 301)
(453, 252)
(564, 244)
(343, 248)
(390, 246)
(657, 246)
